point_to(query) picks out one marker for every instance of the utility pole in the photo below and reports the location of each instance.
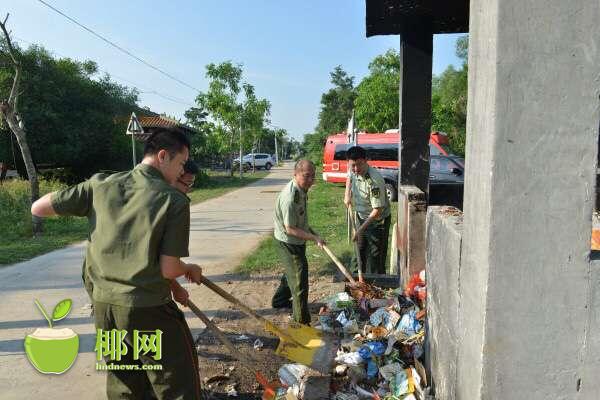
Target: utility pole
(241, 161)
(276, 154)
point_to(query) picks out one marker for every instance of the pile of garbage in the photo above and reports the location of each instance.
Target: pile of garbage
(382, 333)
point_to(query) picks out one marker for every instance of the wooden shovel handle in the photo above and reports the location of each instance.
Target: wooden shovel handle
(356, 248)
(339, 265)
(268, 324)
(218, 290)
(217, 332)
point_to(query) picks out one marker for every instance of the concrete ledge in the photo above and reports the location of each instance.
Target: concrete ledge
(444, 241)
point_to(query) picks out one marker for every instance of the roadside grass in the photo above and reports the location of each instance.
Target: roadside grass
(17, 244)
(327, 216)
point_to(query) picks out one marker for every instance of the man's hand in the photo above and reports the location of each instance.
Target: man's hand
(194, 273)
(320, 242)
(347, 202)
(180, 294)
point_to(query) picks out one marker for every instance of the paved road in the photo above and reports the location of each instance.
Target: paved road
(223, 230)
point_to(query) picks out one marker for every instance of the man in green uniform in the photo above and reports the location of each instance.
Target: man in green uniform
(291, 233)
(365, 190)
(184, 184)
(139, 230)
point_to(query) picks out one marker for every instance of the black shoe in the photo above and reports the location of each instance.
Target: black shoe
(283, 305)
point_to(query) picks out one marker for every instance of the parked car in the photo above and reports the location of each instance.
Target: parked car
(446, 180)
(260, 160)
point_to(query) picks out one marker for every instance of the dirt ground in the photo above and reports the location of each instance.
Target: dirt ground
(218, 369)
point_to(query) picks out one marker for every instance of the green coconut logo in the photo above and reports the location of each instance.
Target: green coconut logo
(51, 350)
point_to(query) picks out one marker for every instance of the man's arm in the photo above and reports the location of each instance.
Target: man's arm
(42, 207)
(348, 192)
(304, 235)
(375, 213)
(172, 267)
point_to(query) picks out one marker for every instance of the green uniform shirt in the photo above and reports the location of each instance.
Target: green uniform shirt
(290, 210)
(134, 218)
(368, 192)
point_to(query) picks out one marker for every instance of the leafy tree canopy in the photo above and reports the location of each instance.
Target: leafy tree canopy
(74, 118)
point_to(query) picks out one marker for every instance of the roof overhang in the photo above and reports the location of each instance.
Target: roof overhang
(393, 17)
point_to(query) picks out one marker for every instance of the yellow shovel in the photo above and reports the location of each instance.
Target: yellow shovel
(299, 343)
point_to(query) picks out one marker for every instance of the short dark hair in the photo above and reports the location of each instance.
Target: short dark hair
(170, 140)
(355, 153)
(190, 167)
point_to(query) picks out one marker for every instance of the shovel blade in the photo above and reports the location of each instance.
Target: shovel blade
(306, 345)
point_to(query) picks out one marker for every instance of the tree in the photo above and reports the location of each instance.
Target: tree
(230, 103)
(337, 103)
(336, 109)
(78, 119)
(9, 112)
(449, 100)
(377, 102)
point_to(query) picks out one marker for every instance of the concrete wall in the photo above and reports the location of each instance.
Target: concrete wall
(529, 295)
(590, 351)
(444, 239)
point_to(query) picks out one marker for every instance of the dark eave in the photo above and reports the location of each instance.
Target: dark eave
(393, 17)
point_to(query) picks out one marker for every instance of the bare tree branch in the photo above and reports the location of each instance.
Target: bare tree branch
(8, 111)
(14, 92)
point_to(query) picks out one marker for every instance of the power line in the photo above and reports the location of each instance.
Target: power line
(113, 44)
(140, 88)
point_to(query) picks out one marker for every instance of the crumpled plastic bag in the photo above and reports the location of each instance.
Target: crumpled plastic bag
(405, 382)
(339, 301)
(389, 371)
(351, 359)
(291, 374)
(372, 349)
(379, 317)
(326, 323)
(372, 369)
(409, 324)
(348, 325)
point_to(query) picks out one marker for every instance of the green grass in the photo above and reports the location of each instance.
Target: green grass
(327, 216)
(17, 243)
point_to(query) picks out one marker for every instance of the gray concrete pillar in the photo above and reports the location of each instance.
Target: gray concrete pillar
(527, 295)
(416, 48)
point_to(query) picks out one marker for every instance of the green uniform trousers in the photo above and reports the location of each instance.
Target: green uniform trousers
(373, 246)
(294, 282)
(179, 377)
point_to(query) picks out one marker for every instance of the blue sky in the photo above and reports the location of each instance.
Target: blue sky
(287, 48)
